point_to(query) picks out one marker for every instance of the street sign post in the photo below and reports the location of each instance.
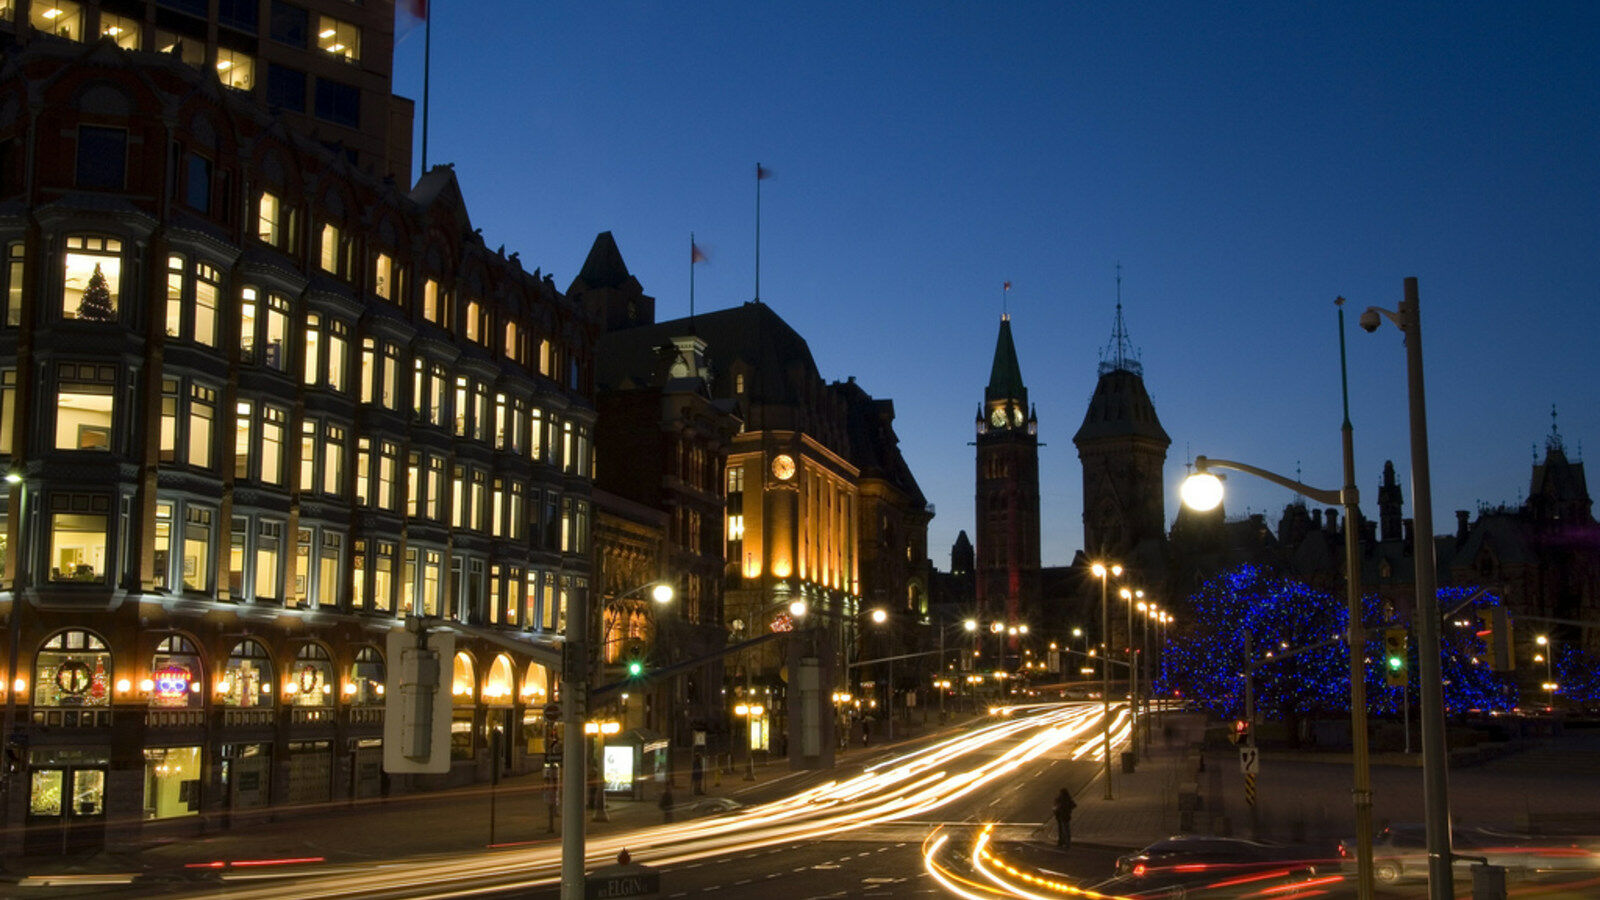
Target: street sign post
(1249, 760)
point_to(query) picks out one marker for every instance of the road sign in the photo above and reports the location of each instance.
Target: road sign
(1249, 760)
(552, 712)
(622, 881)
(1250, 789)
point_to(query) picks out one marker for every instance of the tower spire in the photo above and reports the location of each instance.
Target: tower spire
(1119, 355)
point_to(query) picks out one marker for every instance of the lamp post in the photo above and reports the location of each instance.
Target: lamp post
(879, 617)
(1131, 597)
(1104, 573)
(1435, 775)
(1078, 633)
(1147, 611)
(1546, 654)
(1203, 491)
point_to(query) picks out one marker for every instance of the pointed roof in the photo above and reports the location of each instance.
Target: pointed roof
(1121, 407)
(604, 267)
(1005, 376)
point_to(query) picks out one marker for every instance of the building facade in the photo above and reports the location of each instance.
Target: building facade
(258, 406)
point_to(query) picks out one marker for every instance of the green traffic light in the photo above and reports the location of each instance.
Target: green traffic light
(1396, 663)
(636, 668)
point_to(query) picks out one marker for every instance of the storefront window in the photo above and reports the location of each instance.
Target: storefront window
(536, 685)
(45, 797)
(247, 681)
(175, 675)
(366, 676)
(497, 688)
(171, 782)
(463, 680)
(311, 683)
(73, 669)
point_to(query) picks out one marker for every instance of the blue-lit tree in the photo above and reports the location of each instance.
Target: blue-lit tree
(1205, 662)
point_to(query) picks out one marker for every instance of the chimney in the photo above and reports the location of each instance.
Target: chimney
(1331, 518)
(1316, 519)
(1461, 524)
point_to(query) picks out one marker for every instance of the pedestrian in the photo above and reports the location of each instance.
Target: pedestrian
(666, 803)
(697, 775)
(1063, 812)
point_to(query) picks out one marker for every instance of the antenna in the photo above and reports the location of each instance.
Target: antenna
(1119, 355)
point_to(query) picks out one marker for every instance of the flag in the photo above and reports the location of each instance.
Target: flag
(1006, 287)
(696, 255)
(762, 172)
(409, 14)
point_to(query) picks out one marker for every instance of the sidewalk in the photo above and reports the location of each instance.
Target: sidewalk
(1145, 804)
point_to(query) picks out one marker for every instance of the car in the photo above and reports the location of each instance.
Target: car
(1400, 852)
(1206, 854)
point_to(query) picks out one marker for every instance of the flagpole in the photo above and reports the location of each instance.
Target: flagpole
(691, 275)
(758, 232)
(427, 59)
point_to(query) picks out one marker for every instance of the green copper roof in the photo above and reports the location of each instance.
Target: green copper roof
(1005, 376)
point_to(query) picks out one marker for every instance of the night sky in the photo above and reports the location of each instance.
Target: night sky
(1244, 164)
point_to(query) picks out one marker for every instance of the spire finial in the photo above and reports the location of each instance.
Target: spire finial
(1119, 354)
(1553, 442)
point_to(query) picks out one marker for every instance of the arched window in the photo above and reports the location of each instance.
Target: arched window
(175, 675)
(367, 674)
(463, 680)
(247, 680)
(498, 687)
(536, 685)
(311, 682)
(73, 669)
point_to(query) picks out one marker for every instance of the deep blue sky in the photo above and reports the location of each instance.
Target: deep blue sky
(1244, 163)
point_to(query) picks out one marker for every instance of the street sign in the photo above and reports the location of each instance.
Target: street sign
(1249, 760)
(622, 881)
(552, 712)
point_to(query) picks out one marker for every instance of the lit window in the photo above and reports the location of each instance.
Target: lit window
(243, 422)
(206, 289)
(273, 423)
(78, 525)
(74, 669)
(8, 415)
(329, 248)
(121, 29)
(338, 353)
(382, 273)
(337, 38)
(269, 559)
(16, 268)
(333, 460)
(93, 278)
(430, 300)
(62, 18)
(197, 542)
(313, 341)
(174, 296)
(191, 50)
(235, 69)
(85, 406)
(202, 413)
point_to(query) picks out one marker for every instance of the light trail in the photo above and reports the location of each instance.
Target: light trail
(905, 786)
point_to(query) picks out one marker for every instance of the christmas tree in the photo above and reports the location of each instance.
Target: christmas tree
(96, 303)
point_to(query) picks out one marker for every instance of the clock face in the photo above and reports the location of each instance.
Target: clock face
(1016, 417)
(998, 417)
(783, 467)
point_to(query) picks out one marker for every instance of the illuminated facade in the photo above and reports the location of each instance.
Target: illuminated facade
(325, 66)
(256, 407)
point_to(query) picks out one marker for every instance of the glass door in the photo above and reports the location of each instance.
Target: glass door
(66, 809)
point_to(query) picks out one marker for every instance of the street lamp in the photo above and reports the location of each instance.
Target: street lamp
(1547, 655)
(1131, 597)
(1103, 572)
(879, 617)
(1435, 775)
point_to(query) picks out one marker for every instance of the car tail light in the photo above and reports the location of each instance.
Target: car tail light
(1138, 871)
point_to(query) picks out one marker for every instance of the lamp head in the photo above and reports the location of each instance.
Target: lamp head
(662, 593)
(798, 609)
(1369, 320)
(880, 616)
(970, 624)
(1201, 491)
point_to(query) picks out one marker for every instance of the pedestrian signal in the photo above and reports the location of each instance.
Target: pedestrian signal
(1241, 732)
(1394, 656)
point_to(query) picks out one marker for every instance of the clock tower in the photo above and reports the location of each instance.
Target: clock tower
(1007, 507)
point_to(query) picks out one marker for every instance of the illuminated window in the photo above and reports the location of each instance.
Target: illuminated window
(273, 422)
(338, 38)
(85, 406)
(191, 50)
(269, 560)
(78, 532)
(270, 218)
(263, 329)
(16, 268)
(313, 339)
(202, 414)
(383, 577)
(382, 273)
(247, 679)
(92, 281)
(121, 29)
(62, 18)
(311, 682)
(329, 249)
(367, 674)
(73, 669)
(430, 300)
(198, 539)
(161, 545)
(513, 347)
(333, 438)
(206, 288)
(236, 69)
(338, 354)
(475, 322)
(8, 412)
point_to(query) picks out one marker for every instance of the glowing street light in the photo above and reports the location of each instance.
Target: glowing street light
(1104, 573)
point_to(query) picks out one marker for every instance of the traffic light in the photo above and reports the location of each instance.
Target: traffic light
(635, 668)
(1394, 656)
(1240, 733)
